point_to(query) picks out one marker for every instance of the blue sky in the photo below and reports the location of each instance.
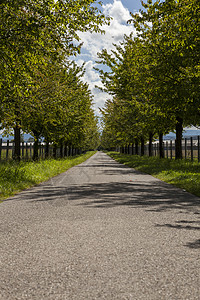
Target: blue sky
(119, 10)
(130, 4)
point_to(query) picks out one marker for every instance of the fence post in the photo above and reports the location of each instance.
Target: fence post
(22, 150)
(26, 151)
(13, 149)
(171, 149)
(46, 149)
(163, 149)
(167, 149)
(0, 147)
(198, 148)
(185, 148)
(40, 150)
(191, 144)
(7, 149)
(30, 151)
(50, 150)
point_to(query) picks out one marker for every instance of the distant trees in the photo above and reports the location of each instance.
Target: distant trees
(40, 89)
(154, 77)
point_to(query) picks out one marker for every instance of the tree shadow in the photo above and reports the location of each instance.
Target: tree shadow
(154, 196)
(150, 194)
(194, 245)
(187, 227)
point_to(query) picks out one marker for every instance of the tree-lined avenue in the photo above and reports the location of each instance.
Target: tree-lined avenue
(100, 230)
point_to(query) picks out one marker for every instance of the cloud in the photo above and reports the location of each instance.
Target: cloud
(95, 42)
(93, 79)
(117, 11)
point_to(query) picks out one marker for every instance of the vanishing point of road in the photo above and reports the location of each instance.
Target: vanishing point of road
(100, 230)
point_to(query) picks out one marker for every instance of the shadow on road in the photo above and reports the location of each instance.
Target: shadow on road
(194, 245)
(154, 196)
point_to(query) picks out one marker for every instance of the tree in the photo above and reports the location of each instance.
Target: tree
(130, 82)
(156, 74)
(31, 35)
(172, 42)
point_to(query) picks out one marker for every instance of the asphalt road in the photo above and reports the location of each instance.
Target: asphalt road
(100, 231)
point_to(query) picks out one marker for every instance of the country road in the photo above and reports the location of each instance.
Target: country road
(100, 230)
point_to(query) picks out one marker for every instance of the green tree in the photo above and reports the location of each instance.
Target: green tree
(31, 34)
(156, 74)
(129, 80)
(170, 32)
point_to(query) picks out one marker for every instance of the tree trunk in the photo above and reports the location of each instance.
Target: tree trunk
(161, 149)
(61, 150)
(126, 149)
(136, 146)
(179, 131)
(17, 143)
(69, 150)
(65, 150)
(35, 147)
(47, 150)
(150, 143)
(142, 146)
(132, 149)
(54, 151)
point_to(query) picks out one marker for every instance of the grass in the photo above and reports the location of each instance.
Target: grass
(17, 176)
(181, 173)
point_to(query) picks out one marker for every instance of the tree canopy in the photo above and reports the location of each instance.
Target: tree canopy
(41, 89)
(155, 75)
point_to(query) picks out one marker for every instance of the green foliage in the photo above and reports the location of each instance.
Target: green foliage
(15, 177)
(154, 77)
(181, 173)
(41, 91)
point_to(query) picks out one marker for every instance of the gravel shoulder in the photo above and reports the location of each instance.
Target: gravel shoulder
(100, 230)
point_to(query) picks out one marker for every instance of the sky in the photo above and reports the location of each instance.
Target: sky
(93, 43)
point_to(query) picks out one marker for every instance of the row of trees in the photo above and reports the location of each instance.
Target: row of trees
(41, 89)
(154, 78)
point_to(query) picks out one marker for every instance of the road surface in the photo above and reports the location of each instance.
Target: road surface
(100, 230)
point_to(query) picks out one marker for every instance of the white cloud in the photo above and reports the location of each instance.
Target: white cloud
(117, 11)
(94, 43)
(91, 75)
(93, 79)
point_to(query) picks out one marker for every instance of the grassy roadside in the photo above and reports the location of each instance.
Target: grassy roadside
(181, 173)
(15, 176)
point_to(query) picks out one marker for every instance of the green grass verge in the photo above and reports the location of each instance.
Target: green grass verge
(181, 173)
(17, 176)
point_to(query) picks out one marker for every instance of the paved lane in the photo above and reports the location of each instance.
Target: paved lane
(100, 231)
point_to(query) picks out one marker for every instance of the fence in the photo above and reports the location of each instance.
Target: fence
(190, 149)
(26, 150)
